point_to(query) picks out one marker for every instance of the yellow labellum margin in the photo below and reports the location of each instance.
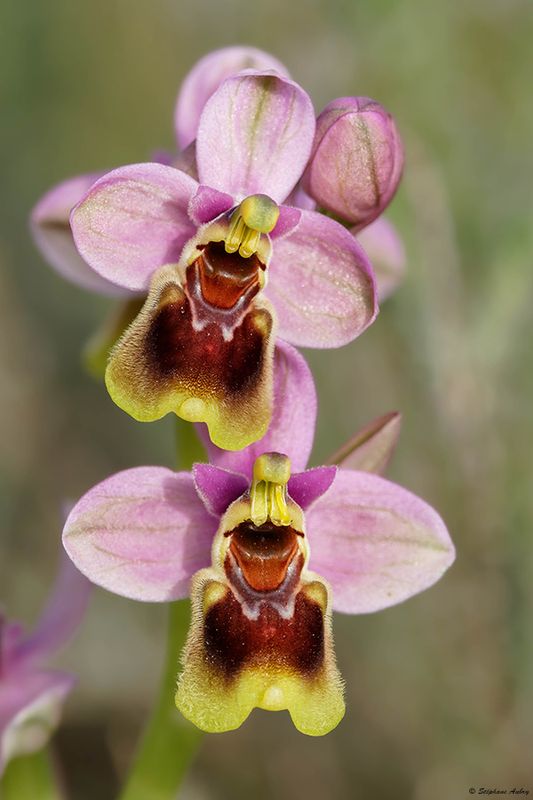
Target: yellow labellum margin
(260, 635)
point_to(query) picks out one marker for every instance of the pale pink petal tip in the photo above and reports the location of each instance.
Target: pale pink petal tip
(255, 136)
(52, 235)
(357, 160)
(141, 533)
(376, 543)
(207, 75)
(382, 244)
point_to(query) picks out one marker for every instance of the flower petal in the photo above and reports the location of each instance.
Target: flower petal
(141, 533)
(306, 487)
(255, 136)
(166, 363)
(207, 204)
(292, 427)
(383, 246)
(51, 232)
(206, 76)
(321, 284)
(371, 449)
(217, 488)
(30, 708)
(134, 220)
(289, 219)
(376, 543)
(62, 615)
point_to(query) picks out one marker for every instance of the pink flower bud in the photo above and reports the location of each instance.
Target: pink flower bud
(357, 160)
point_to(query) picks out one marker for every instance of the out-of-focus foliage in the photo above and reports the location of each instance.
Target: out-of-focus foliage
(439, 689)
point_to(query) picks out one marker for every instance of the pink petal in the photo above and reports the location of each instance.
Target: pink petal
(30, 708)
(376, 543)
(134, 220)
(207, 75)
(62, 615)
(292, 427)
(207, 204)
(321, 284)
(371, 449)
(306, 487)
(255, 136)
(288, 220)
(141, 533)
(218, 488)
(384, 247)
(51, 232)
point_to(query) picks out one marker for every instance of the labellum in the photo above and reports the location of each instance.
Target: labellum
(261, 627)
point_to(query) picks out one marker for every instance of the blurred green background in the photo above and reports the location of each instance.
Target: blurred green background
(439, 689)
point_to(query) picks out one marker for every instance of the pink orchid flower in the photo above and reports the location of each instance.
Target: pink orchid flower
(228, 266)
(50, 217)
(267, 549)
(31, 696)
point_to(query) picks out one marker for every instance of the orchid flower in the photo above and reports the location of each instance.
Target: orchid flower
(31, 696)
(202, 345)
(50, 217)
(267, 549)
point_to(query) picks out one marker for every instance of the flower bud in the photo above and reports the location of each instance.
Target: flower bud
(357, 160)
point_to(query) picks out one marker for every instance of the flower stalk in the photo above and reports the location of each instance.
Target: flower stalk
(29, 777)
(170, 742)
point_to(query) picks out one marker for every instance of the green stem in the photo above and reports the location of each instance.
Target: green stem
(169, 742)
(30, 777)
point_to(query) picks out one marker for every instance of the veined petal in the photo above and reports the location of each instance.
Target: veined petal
(371, 449)
(321, 284)
(30, 708)
(62, 614)
(234, 663)
(384, 247)
(141, 533)
(255, 135)
(207, 75)
(51, 231)
(357, 160)
(134, 220)
(166, 362)
(376, 543)
(218, 488)
(292, 426)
